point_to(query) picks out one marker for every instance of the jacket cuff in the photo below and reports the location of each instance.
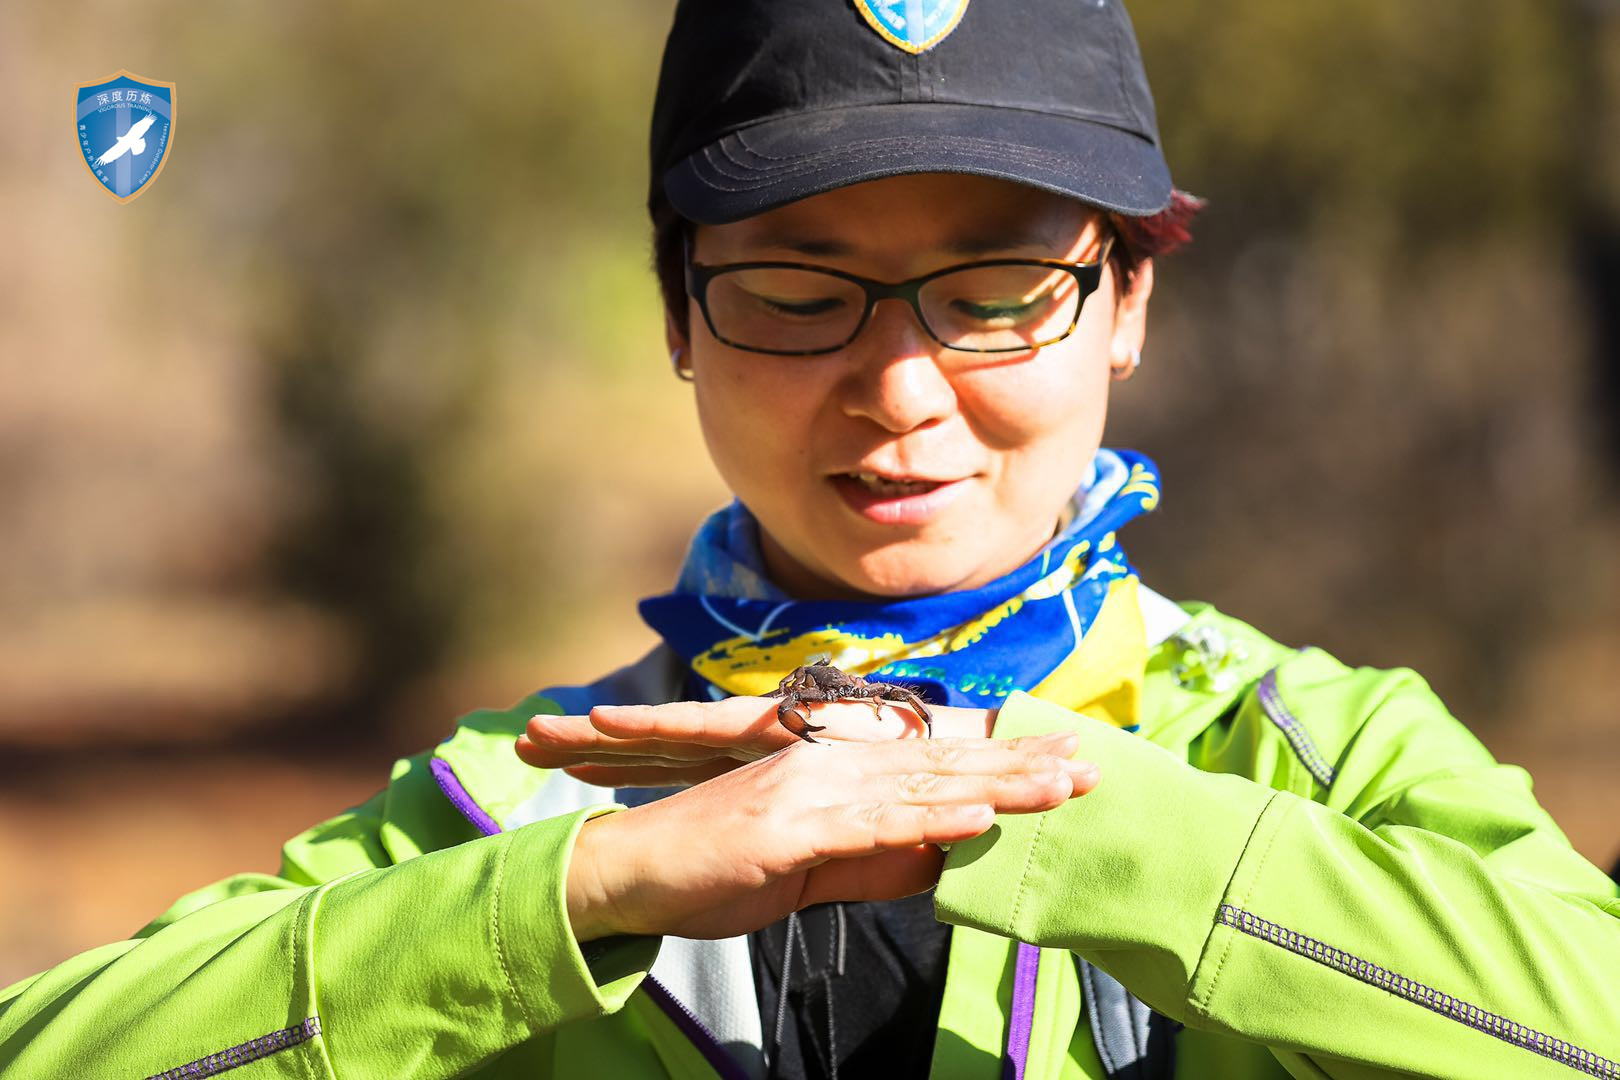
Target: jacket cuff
(1130, 875)
(463, 952)
(553, 976)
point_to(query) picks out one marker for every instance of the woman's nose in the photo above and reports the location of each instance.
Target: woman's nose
(896, 379)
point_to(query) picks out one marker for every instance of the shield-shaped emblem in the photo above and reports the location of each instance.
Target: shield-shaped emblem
(913, 25)
(126, 126)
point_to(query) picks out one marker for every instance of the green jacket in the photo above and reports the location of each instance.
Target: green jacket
(1314, 868)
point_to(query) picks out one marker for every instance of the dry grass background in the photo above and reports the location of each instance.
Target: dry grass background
(358, 418)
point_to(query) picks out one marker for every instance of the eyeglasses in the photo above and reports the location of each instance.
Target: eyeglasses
(794, 309)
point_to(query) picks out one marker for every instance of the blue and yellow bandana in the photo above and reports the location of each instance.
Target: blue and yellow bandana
(1025, 631)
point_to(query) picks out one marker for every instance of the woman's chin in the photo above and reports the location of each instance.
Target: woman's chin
(896, 575)
(840, 567)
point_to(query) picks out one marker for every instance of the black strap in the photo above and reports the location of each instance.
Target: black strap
(863, 984)
(1133, 1041)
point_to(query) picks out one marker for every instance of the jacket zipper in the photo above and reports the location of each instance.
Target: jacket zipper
(719, 1059)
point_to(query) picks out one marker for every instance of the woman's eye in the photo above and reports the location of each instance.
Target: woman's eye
(997, 310)
(800, 308)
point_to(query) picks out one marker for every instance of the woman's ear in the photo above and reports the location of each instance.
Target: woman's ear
(674, 336)
(680, 354)
(1130, 322)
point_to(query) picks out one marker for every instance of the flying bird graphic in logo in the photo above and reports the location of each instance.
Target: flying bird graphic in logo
(129, 142)
(125, 126)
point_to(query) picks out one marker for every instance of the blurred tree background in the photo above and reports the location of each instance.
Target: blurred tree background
(359, 417)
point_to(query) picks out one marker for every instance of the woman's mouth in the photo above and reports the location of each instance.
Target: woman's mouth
(882, 485)
(895, 500)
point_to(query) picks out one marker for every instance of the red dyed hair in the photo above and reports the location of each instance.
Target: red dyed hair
(1143, 238)
(1140, 239)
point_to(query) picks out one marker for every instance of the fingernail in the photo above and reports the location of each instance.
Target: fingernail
(1081, 770)
(1067, 741)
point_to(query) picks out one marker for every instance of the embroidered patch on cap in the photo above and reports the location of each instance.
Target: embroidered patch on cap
(913, 25)
(125, 125)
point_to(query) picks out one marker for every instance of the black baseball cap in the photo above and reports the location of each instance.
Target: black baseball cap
(763, 102)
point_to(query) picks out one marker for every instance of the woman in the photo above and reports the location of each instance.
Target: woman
(906, 248)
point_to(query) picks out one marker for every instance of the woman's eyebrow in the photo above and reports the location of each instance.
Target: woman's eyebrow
(801, 244)
(973, 245)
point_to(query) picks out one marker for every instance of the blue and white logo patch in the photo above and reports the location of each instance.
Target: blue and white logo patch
(913, 25)
(126, 124)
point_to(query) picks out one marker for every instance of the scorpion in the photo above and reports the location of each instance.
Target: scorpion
(821, 681)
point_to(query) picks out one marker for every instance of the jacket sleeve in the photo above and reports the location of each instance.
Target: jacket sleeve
(393, 943)
(1422, 914)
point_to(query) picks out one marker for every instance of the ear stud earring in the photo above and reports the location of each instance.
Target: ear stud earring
(1121, 374)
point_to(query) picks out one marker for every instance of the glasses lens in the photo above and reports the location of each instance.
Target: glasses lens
(784, 310)
(1001, 308)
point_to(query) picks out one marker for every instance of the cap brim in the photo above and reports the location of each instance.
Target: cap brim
(776, 162)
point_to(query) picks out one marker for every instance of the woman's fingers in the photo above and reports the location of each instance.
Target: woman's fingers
(888, 875)
(677, 735)
(554, 742)
(725, 723)
(977, 757)
(550, 741)
(884, 813)
(620, 776)
(860, 829)
(681, 733)
(1010, 793)
(843, 820)
(1062, 743)
(750, 722)
(544, 758)
(1023, 775)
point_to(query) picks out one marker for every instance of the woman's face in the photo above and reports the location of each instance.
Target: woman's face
(994, 445)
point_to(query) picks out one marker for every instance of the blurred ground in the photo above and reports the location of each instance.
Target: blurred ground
(359, 418)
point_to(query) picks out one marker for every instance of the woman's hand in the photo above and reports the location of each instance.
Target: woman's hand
(687, 742)
(806, 825)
